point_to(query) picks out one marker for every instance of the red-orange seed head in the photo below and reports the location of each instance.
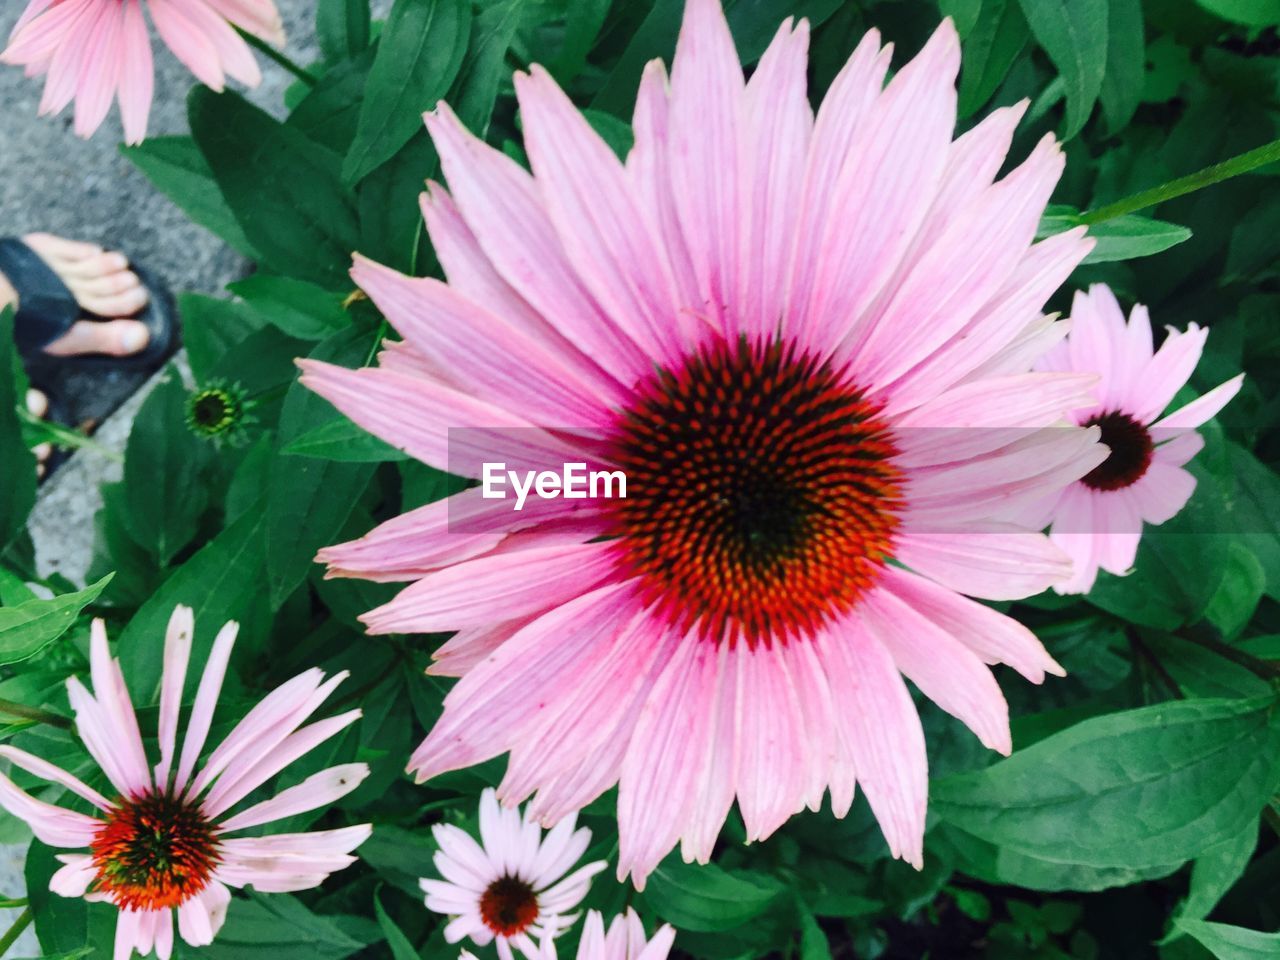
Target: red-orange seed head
(761, 494)
(154, 852)
(508, 906)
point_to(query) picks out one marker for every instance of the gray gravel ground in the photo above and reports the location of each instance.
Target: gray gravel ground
(52, 181)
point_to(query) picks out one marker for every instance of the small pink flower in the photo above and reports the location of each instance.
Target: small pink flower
(807, 342)
(163, 842)
(93, 50)
(1098, 520)
(510, 889)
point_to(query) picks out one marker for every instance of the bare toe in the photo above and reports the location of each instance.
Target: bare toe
(98, 265)
(119, 338)
(125, 304)
(42, 452)
(106, 286)
(49, 246)
(37, 403)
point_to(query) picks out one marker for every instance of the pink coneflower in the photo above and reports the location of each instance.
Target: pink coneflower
(808, 343)
(1098, 520)
(511, 889)
(625, 940)
(93, 50)
(164, 841)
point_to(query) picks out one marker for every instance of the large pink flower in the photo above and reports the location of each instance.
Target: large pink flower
(95, 50)
(164, 842)
(1098, 520)
(807, 343)
(623, 939)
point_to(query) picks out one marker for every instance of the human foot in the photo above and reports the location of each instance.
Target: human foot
(38, 406)
(102, 284)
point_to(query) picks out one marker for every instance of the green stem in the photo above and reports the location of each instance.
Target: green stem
(13, 904)
(1263, 668)
(33, 713)
(15, 931)
(271, 53)
(1259, 157)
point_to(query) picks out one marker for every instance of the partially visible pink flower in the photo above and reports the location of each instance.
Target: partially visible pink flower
(1098, 520)
(807, 342)
(511, 889)
(164, 841)
(625, 940)
(92, 51)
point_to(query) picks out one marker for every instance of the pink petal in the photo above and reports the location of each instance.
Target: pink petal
(206, 702)
(1198, 411)
(318, 790)
(51, 825)
(497, 587)
(606, 234)
(994, 637)
(188, 42)
(880, 724)
(177, 652)
(941, 666)
(1007, 565)
(494, 358)
(502, 208)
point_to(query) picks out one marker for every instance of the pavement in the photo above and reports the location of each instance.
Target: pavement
(52, 181)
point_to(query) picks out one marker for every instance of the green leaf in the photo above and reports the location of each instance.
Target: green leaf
(221, 582)
(614, 132)
(813, 942)
(330, 111)
(179, 170)
(708, 899)
(1074, 35)
(62, 923)
(990, 47)
(1216, 871)
(419, 54)
(279, 927)
(295, 307)
(18, 477)
(309, 500)
(342, 27)
(29, 627)
(481, 73)
(342, 440)
(401, 948)
(1232, 943)
(1135, 789)
(1251, 13)
(1120, 238)
(582, 25)
(1239, 593)
(755, 22)
(1254, 511)
(163, 473)
(212, 327)
(1126, 63)
(655, 37)
(286, 191)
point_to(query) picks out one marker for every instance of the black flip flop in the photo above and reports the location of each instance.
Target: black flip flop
(47, 309)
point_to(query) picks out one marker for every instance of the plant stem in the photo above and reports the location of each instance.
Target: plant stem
(13, 904)
(15, 931)
(1218, 172)
(1263, 668)
(1152, 661)
(271, 53)
(33, 713)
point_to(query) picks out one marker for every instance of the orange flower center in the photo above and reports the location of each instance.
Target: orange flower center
(154, 852)
(1131, 451)
(508, 906)
(761, 494)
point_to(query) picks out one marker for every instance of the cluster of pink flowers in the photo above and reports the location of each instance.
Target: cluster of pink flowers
(815, 346)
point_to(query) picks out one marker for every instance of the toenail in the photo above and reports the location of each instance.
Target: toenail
(134, 339)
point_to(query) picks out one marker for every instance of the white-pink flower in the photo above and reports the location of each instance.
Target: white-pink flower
(624, 940)
(807, 341)
(164, 839)
(94, 51)
(511, 889)
(1098, 520)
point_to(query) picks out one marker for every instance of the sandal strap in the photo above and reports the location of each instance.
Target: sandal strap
(46, 308)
